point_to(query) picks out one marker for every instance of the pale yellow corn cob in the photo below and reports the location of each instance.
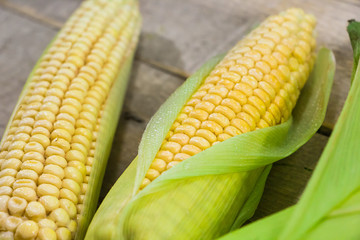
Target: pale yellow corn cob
(47, 153)
(256, 85)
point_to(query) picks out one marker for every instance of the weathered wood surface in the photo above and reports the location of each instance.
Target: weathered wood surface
(177, 37)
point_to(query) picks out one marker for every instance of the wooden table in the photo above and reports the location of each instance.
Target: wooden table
(176, 38)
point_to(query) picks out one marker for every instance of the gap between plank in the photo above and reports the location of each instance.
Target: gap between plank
(165, 68)
(31, 14)
(324, 130)
(57, 25)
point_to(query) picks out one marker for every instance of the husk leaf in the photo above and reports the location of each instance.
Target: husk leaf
(217, 189)
(337, 174)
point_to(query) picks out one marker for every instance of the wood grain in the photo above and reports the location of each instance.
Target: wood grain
(177, 37)
(54, 12)
(195, 30)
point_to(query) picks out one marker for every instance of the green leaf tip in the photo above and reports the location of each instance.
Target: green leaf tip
(353, 30)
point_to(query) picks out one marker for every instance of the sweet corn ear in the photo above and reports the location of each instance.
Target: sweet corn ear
(49, 148)
(255, 86)
(218, 188)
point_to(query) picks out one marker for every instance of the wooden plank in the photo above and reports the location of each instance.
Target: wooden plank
(148, 89)
(53, 12)
(171, 43)
(21, 45)
(288, 177)
(191, 33)
(196, 30)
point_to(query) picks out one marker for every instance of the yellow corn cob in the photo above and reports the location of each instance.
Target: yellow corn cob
(256, 85)
(48, 149)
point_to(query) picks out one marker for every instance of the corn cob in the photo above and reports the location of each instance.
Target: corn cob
(255, 86)
(205, 176)
(49, 147)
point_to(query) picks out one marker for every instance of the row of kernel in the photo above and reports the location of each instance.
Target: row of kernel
(85, 123)
(36, 88)
(96, 95)
(41, 230)
(27, 177)
(40, 210)
(290, 69)
(126, 45)
(184, 128)
(22, 136)
(63, 211)
(108, 75)
(301, 49)
(88, 165)
(64, 225)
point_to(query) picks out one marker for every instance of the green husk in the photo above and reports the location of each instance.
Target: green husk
(353, 30)
(215, 190)
(330, 205)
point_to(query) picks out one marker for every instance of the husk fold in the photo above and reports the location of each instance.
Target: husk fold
(215, 190)
(330, 205)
